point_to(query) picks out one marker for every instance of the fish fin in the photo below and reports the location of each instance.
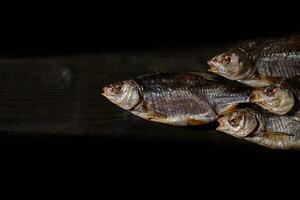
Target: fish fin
(207, 76)
(271, 134)
(152, 114)
(195, 122)
(273, 140)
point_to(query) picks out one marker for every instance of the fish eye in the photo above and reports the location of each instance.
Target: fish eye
(227, 59)
(117, 88)
(234, 122)
(270, 91)
(224, 58)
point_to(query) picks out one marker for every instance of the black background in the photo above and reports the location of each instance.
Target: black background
(88, 31)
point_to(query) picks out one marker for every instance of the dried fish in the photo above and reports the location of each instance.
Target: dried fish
(263, 128)
(259, 63)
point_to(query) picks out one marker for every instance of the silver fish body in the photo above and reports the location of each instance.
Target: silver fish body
(280, 132)
(276, 57)
(186, 99)
(179, 99)
(259, 63)
(263, 128)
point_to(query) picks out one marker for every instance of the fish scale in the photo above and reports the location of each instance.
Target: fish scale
(184, 98)
(283, 124)
(174, 102)
(275, 57)
(151, 97)
(197, 109)
(212, 101)
(157, 101)
(280, 66)
(179, 100)
(199, 95)
(225, 96)
(160, 105)
(169, 102)
(263, 47)
(184, 108)
(166, 95)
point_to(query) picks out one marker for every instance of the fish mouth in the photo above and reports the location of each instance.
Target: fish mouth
(105, 92)
(212, 66)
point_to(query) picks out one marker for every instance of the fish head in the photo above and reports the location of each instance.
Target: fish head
(125, 94)
(233, 65)
(274, 98)
(239, 124)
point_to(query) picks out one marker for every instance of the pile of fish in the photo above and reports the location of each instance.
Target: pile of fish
(252, 90)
